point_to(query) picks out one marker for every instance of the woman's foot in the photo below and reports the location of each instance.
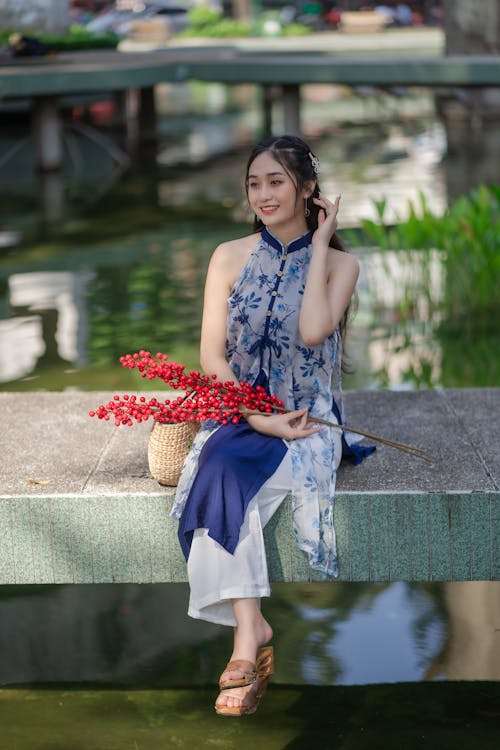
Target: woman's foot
(247, 641)
(242, 701)
(249, 636)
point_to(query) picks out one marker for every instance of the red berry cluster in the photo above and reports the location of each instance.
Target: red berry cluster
(205, 397)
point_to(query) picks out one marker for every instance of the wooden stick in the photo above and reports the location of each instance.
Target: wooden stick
(412, 450)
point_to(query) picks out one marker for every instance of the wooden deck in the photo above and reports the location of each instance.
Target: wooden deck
(113, 70)
(44, 80)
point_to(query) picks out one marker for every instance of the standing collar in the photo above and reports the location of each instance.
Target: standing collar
(296, 244)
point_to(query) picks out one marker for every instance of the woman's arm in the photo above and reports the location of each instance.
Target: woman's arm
(220, 278)
(331, 280)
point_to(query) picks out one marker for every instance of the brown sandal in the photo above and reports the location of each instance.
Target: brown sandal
(251, 693)
(264, 665)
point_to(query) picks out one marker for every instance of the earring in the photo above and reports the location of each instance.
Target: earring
(307, 213)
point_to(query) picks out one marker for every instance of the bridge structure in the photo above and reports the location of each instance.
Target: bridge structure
(78, 504)
(279, 73)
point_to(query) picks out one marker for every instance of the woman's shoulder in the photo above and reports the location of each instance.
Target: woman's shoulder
(239, 245)
(229, 258)
(235, 252)
(344, 260)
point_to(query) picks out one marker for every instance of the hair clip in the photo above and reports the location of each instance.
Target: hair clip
(314, 162)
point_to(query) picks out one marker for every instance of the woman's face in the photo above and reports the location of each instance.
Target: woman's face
(272, 193)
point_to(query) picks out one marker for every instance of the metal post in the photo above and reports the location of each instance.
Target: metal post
(47, 134)
(121, 111)
(147, 114)
(51, 201)
(267, 110)
(291, 108)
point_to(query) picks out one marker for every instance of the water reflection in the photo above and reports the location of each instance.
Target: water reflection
(67, 326)
(473, 648)
(399, 310)
(405, 335)
(395, 162)
(48, 323)
(134, 251)
(393, 652)
(338, 634)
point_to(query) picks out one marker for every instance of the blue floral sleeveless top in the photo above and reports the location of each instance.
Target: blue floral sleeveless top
(264, 346)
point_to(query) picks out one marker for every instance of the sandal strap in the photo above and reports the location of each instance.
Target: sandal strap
(265, 661)
(247, 668)
(263, 667)
(248, 695)
(240, 693)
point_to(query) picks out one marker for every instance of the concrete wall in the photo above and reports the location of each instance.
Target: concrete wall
(472, 27)
(35, 15)
(79, 505)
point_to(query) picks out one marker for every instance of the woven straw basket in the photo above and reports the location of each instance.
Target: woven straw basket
(167, 448)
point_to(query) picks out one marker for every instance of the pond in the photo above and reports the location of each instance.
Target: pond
(357, 666)
(111, 259)
(122, 265)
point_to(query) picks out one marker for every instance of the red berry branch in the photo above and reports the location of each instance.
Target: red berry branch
(205, 397)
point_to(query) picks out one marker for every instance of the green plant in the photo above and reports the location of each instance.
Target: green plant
(206, 22)
(4, 35)
(296, 29)
(468, 235)
(200, 17)
(79, 41)
(77, 37)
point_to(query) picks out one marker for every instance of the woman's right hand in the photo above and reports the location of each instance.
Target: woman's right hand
(291, 425)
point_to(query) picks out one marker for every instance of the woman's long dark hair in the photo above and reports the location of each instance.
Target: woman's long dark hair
(297, 159)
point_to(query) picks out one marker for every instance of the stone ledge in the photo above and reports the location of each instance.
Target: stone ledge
(78, 504)
(127, 538)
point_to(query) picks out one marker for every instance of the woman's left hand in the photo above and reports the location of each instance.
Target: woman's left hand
(291, 425)
(327, 219)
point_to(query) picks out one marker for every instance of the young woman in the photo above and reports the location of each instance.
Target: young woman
(274, 311)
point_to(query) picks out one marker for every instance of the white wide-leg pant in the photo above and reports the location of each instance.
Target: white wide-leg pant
(217, 576)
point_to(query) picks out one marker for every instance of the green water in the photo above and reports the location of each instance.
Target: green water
(121, 666)
(448, 716)
(110, 258)
(128, 273)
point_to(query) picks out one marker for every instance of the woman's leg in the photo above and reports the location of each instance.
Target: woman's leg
(227, 589)
(251, 632)
(217, 578)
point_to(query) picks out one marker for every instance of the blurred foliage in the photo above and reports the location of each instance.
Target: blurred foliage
(77, 37)
(296, 29)
(208, 22)
(468, 235)
(433, 292)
